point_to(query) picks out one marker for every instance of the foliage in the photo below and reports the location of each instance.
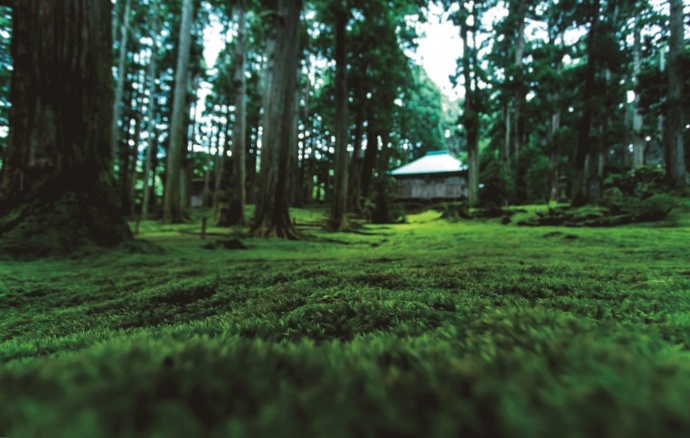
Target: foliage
(640, 183)
(654, 208)
(616, 209)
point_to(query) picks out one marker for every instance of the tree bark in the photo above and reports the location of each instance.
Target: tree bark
(304, 184)
(637, 139)
(236, 214)
(519, 96)
(370, 154)
(56, 181)
(338, 220)
(471, 121)
(272, 217)
(152, 139)
(355, 165)
(172, 208)
(579, 195)
(218, 195)
(505, 150)
(555, 154)
(121, 75)
(675, 168)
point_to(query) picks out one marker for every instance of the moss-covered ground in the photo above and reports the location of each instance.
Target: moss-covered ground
(428, 328)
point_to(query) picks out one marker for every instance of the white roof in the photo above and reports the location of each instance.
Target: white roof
(432, 162)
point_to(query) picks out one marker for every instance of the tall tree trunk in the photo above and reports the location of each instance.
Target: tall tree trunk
(338, 220)
(303, 184)
(124, 152)
(56, 179)
(219, 195)
(121, 75)
(139, 131)
(579, 195)
(272, 217)
(471, 121)
(151, 149)
(675, 168)
(385, 156)
(369, 155)
(519, 96)
(293, 175)
(637, 139)
(211, 143)
(661, 123)
(236, 214)
(355, 165)
(555, 154)
(505, 150)
(172, 208)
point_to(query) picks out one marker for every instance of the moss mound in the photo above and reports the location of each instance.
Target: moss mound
(71, 223)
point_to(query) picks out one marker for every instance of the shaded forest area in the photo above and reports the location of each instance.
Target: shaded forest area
(200, 234)
(559, 101)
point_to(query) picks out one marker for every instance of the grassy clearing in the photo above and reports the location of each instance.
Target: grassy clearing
(421, 329)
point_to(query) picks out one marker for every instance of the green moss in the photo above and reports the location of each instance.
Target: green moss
(427, 328)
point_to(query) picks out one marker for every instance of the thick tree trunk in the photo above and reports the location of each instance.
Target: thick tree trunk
(236, 214)
(272, 217)
(675, 168)
(56, 182)
(338, 220)
(579, 195)
(172, 208)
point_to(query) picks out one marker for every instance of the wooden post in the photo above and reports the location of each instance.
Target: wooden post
(203, 227)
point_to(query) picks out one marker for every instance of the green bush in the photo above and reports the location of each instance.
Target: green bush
(650, 209)
(642, 182)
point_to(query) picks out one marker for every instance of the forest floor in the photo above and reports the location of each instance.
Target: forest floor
(428, 328)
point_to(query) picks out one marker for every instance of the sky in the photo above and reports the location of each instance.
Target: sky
(439, 49)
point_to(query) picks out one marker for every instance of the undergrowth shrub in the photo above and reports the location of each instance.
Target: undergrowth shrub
(653, 208)
(642, 182)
